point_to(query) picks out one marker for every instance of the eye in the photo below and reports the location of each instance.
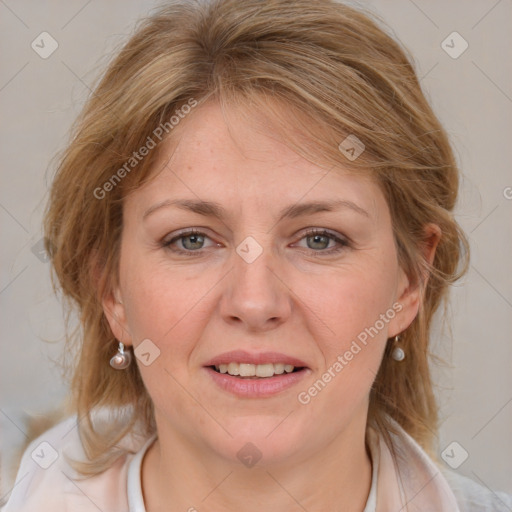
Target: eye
(318, 240)
(191, 242)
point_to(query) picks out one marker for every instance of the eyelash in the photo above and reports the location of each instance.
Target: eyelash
(312, 232)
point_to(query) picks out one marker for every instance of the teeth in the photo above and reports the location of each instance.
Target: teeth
(234, 369)
(279, 368)
(264, 370)
(246, 370)
(254, 370)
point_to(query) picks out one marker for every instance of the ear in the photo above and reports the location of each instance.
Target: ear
(115, 313)
(410, 294)
(111, 301)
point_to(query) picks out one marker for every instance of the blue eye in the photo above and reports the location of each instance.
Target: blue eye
(322, 237)
(195, 237)
(192, 242)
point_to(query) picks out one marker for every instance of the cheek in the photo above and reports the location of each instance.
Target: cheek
(354, 315)
(357, 306)
(345, 303)
(168, 308)
(166, 305)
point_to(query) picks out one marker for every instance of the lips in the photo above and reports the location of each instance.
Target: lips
(249, 375)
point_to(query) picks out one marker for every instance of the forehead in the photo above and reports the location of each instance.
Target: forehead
(239, 160)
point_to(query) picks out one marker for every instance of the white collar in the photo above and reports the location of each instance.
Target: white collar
(134, 479)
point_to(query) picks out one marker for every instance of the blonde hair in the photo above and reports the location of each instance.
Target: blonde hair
(338, 74)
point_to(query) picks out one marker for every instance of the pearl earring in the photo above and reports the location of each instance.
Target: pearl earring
(398, 353)
(122, 359)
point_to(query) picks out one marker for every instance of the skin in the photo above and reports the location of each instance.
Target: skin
(291, 299)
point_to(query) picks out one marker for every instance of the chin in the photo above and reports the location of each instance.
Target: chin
(258, 441)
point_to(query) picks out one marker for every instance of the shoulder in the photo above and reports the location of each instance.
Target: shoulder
(46, 481)
(467, 494)
(475, 497)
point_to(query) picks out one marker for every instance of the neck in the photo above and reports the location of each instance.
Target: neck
(185, 477)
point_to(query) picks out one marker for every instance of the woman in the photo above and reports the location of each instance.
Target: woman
(254, 220)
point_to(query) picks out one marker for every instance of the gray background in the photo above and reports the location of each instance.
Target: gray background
(471, 94)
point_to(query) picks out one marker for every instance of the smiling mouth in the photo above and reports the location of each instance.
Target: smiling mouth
(256, 371)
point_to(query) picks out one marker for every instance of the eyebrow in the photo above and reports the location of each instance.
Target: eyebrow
(213, 209)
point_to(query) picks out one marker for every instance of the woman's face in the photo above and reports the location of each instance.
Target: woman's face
(253, 287)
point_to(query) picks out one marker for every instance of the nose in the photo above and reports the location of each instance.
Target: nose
(256, 295)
